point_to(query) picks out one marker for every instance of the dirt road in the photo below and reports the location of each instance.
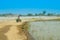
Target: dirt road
(11, 31)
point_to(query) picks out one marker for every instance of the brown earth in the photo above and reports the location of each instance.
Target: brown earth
(11, 30)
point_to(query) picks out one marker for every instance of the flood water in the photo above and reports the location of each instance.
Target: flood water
(45, 30)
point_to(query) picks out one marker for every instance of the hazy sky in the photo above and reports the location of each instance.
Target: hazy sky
(29, 6)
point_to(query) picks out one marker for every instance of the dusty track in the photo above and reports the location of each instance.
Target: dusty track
(12, 31)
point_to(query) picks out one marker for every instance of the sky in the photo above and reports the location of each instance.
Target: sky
(29, 6)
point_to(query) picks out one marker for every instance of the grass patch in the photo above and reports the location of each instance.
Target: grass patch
(38, 19)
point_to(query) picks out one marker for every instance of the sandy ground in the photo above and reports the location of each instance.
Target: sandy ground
(11, 30)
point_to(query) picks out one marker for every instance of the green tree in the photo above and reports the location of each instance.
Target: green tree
(44, 12)
(40, 14)
(50, 14)
(20, 15)
(29, 14)
(36, 14)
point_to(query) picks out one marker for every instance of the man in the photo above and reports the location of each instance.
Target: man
(18, 19)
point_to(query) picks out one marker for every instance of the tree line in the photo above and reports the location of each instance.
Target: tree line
(44, 13)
